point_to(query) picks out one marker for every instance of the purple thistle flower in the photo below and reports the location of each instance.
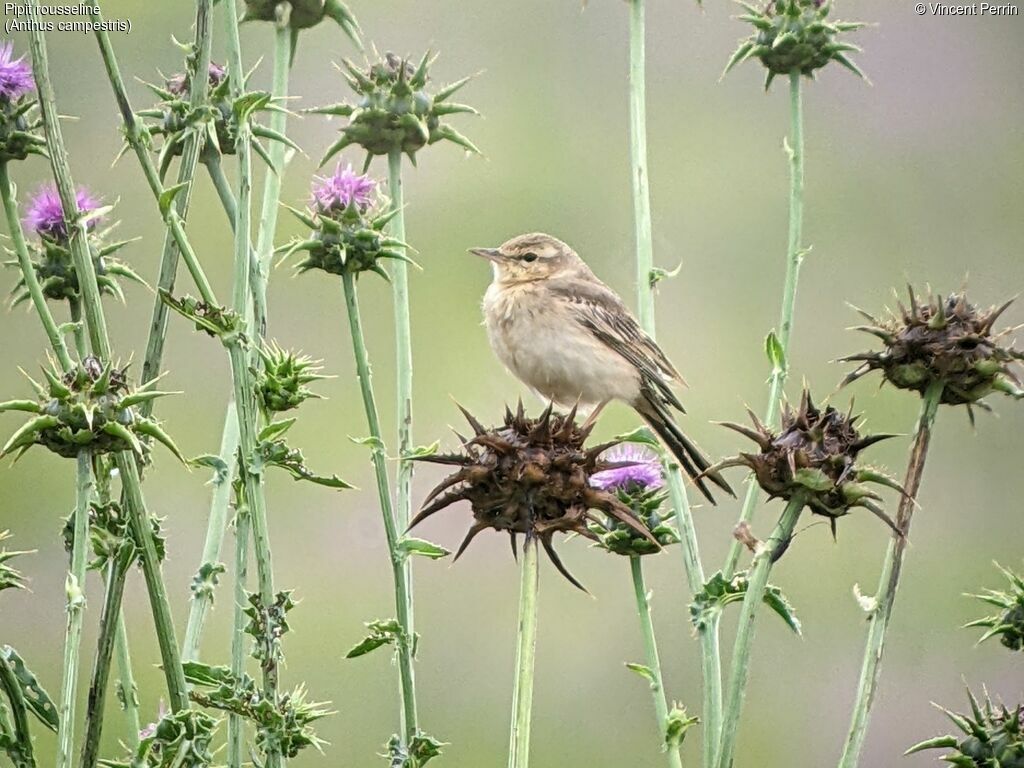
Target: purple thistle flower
(344, 187)
(178, 84)
(46, 214)
(149, 731)
(643, 470)
(15, 74)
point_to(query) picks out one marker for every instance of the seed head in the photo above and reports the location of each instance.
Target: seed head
(795, 36)
(947, 340)
(302, 14)
(994, 737)
(395, 110)
(1008, 623)
(814, 455)
(91, 407)
(281, 382)
(347, 218)
(530, 476)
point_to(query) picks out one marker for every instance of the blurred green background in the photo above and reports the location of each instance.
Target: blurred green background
(919, 177)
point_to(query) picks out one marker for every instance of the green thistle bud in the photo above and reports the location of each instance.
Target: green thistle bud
(814, 455)
(1008, 623)
(281, 382)
(531, 477)
(395, 111)
(180, 738)
(795, 36)
(90, 408)
(111, 533)
(10, 578)
(942, 340)
(994, 737)
(303, 14)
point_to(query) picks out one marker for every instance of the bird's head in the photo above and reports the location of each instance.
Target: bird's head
(530, 257)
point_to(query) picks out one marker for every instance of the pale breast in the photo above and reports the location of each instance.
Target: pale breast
(542, 344)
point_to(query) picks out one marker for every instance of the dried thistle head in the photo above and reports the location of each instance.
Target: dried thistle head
(795, 36)
(815, 455)
(347, 217)
(51, 255)
(529, 476)
(993, 737)
(1008, 623)
(636, 476)
(91, 407)
(303, 14)
(395, 110)
(19, 114)
(947, 340)
(282, 379)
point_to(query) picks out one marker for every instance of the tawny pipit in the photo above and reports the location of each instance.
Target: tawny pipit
(571, 339)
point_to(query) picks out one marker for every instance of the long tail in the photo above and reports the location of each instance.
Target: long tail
(658, 416)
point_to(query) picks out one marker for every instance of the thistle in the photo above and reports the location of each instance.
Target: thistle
(993, 737)
(175, 119)
(795, 36)
(180, 738)
(51, 257)
(530, 476)
(90, 408)
(281, 380)
(636, 478)
(347, 218)
(395, 111)
(110, 531)
(303, 14)
(1008, 623)
(814, 457)
(10, 577)
(947, 340)
(19, 121)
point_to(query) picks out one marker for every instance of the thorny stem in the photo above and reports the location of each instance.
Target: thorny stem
(128, 693)
(760, 569)
(278, 153)
(138, 138)
(405, 642)
(236, 726)
(526, 652)
(100, 342)
(28, 272)
(403, 368)
(711, 662)
(244, 392)
(75, 589)
(202, 593)
(889, 582)
(651, 649)
(795, 256)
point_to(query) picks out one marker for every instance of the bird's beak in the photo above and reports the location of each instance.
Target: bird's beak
(491, 254)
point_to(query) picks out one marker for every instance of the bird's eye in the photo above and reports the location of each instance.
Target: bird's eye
(528, 257)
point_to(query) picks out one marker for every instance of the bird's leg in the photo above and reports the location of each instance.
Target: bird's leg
(592, 418)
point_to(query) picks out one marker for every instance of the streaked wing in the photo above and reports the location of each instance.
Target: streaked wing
(597, 308)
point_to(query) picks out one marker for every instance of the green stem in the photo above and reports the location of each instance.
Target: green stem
(279, 154)
(711, 661)
(28, 272)
(236, 725)
(377, 452)
(75, 588)
(81, 342)
(223, 187)
(526, 653)
(795, 256)
(889, 582)
(128, 692)
(138, 138)
(643, 608)
(202, 588)
(97, 331)
(110, 622)
(740, 671)
(403, 368)
(22, 753)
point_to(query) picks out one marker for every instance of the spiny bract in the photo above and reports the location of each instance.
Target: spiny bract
(530, 476)
(89, 408)
(994, 737)
(395, 111)
(814, 455)
(1008, 623)
(947, 340)
(281, 381)
(795, 36)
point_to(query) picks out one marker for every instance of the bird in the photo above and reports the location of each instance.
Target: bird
(573, 341)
